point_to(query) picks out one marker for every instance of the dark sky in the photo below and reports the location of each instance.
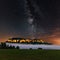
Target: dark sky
(11, 17)
(13, 22)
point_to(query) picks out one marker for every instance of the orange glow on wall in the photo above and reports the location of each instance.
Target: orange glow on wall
(14, 41)
(22, 40)
(27, 40)
(42, 41)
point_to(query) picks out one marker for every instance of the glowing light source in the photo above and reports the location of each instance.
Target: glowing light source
(42, 41)
(22, 40)
(14, 41)
(27, 40)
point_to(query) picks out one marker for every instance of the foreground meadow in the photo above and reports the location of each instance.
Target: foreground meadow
(15, 54)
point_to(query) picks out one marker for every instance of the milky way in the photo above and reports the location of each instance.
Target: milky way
(45, 22)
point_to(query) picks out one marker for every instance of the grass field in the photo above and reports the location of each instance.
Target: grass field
(14, 54)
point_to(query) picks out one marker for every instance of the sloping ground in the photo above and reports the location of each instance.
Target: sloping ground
(14, 54)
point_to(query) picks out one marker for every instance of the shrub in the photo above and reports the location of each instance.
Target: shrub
(3, 45)
(13, 47)
(10, 47)
(17, 47)
(30, 48)
(40, 48)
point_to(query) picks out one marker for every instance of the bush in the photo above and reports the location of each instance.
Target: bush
(13, 47)
(30, 48)
(3, 45)
(10, 47)
(40, 48)
(17, 47)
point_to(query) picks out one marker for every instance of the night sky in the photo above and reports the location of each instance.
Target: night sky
(13, 20)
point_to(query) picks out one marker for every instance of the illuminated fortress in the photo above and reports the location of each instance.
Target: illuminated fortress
(22, 40)
(27, 43)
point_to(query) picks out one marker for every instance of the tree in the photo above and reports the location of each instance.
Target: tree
(3, 45)
(17, 47)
